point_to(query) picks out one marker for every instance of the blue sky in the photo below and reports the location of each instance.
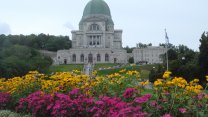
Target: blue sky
(141, 20)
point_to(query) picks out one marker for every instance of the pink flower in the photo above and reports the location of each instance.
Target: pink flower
(99, 102)
(166, 93)
(129, 92)
(201, 96)
(153, 103)
(143, 99)
(143, 114)
(5, 100)
(74, 91)
(166, 115)
(182, 110)
(158, 107)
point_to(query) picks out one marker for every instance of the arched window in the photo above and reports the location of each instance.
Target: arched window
(74, 58)
(106, 57)
(65, 61)
(90, 58)
(82, 58)
(94, 27)
(98, 57)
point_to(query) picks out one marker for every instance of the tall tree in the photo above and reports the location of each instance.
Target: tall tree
(203, 55)
(128, 49)
(17, 60)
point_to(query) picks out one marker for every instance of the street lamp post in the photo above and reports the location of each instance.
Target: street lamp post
(167, 43)
(183, 60)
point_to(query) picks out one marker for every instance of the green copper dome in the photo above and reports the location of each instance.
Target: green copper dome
(96, 7)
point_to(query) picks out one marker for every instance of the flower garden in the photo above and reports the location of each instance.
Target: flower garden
(122, 94)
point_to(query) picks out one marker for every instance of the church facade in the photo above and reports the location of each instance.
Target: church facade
(96, 41)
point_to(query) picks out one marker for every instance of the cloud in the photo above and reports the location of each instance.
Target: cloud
(69, 26)
(5, 28)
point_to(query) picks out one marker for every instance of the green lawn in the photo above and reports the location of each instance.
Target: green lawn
(64, 68)
(105, 65)
(143, 69)
(114, 70)
(148, 67)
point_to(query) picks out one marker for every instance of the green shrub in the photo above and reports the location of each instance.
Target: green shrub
(4, 113)
(8, 113)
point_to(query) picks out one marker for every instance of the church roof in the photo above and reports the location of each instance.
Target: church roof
(96, 7)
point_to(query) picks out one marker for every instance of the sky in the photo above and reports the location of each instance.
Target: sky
(141, 20)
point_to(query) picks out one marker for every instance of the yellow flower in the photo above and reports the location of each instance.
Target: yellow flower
(197, 91)
(207, 77)
(199, 87)
(167, 74)
(145, 83)
(131, 73)
(196, 80)
(158, 82)
(122, 71)
(169, 83)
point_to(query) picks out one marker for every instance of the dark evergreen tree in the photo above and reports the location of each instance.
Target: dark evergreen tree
(156, 73)
(128, 49)
(131, 60)
(203, 56)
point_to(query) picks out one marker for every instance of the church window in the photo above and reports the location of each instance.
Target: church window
(106, 57)
(90, 58)
(82, 58)
(74, 58)
(98, 57)
(94, 27)
(65, 61)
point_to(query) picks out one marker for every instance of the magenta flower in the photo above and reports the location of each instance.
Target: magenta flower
(129, 92)
(62, 105)
(166, 115)
(99, 102)
(143, 99)
(74, 91)
(153, 103)
(182, 110)
(5, 100)
(143, 114)
(200, 96)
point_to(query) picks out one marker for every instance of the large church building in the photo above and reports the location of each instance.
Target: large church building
(96, 41)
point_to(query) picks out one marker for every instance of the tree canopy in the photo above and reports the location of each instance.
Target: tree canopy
(17, 60)
(41, 41)
(203, 55)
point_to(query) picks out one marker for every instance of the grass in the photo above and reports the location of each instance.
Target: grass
(64, 68)
(105, 65)
(148, 67)
(143, 69)
(147, 91)
(144, 73)
(114, 70)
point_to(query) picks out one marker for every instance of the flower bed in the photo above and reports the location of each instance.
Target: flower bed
(121, 94)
